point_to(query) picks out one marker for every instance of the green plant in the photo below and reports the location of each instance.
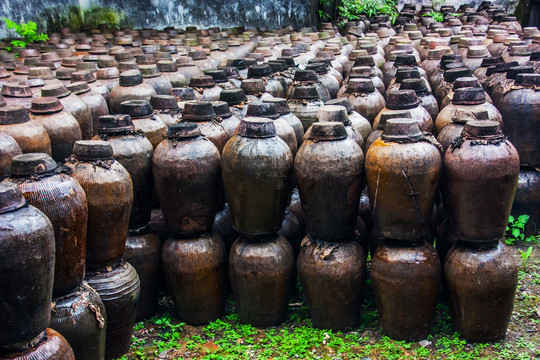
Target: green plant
(437, 16)
(323, 15)
(516, 230)
(352, 9)
(525, 255)
(28, 31)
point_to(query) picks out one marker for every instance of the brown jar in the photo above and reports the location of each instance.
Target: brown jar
(328, 81)
(205, 88)
(360, 123)
(29, 135)
(462, 83)
(80, 316)
(169, 71)
(196, 274)
(447, 84)
(186, 170)
(95, 102)
(481, 173)
(8, 150)
(337, 113)
(257, 170)
(255, 266)
(264, 72)
(365, 99)
(427, 100)
(134, 152)
(406, 278)
(332, 277)
(16, 94)
(304, 104)
(308, 78)
(27, 268)
(402, 169)
(229, 121)
(503, 87)
(188, 69)
(202, 113)
(377, 133)
(109, 194)
(237, 100)
(96, 87)
(285, 113)
(130, 87)
(152, 76)
(119, 289)
(366, 72)
(59, 196)
(407, 100)
(166, 109)
(254, 89)
(143, 118)
(481, 282)
(49, 344)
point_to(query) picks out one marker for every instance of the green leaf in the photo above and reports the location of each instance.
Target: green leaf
(523, 219)
(510, 219)
(516, 233)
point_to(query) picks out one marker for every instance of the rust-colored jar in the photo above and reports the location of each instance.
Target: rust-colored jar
(365, 99)
(119, 289)
(377, 132)
(29, 135)
(328, 169)
(134, 152)
(332, 277)
(8, 150)
(202, 113)
(109, 194)
(17, 94)
(407, 100)
(402, 169)
(48, 345)
(304, 104)
(255, 266)
(130, 87)
(26, 269)
(166, 108)
(95, 101)
(195, 269)
(80, 316)
(59, 196)
(143, 118)
(406, 279)
(257, 171)
(481, 282)
(481, 174)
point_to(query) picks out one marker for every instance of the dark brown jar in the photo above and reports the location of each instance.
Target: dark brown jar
(169, 71)
(80, 316)
(143, 118)
(95, 101)
(406, 279)
(285, 112)
(59, 196)
(367, 72)
(229, 121)
(196, 273)
(143, 252)
(427, 100)
(403, 74)
(254, 90)
(481, 282)
(304, 104)
(264, 72)
(328, 169)
(446, 85)
(496, 75)
(332, 277)
(73, 105)
(462, 83)
(202, 113)
(223, 226)
(338, 113)
(29, 135)
(237, 99)
(257, 171)
(503, 87)
(308, 78)
(527, 199)
(407, 100)
(8, 150)
(328, 81)
(365, 99)
(109, 194)
(152, 76)
(16, 94)
(481, 174)
(520, 109)
(26, 269)
(130, 87)
(183, 95)
(360, 123)
(402, 169)
(205, 88)
(48, 345)
(186, 170)
(119, 289)
(255, 266)
(166, 108)
(96, 87)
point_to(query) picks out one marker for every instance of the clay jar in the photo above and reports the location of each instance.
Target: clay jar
(461, 83)
(407, 100)
(186, 170)
(327, 81)
(134, 152)
(520, 108)
(183, 95)
(143, 118)
(257, 170)
(152, 76)
(109, 194)
(166, 108)
(188, 69)
(95, 102)
(338, 113)
(402, 170)
(27, 270)
(16, 94)
(50, 345)
(255, 266)
(169, 71)
(360, 123)
(365, 99)
(236, 99)
(272, 86)
(406, 279)
(377, 133)
(8, 150)
(285, 113)
(427, 100)
(80, 316)
(73, 105)
(130, 87)
(29, 135)
(119, 289)
(306, 78)
(481, 281)
(304, 104)
(205, 88)
(202, 113)
(328, 170)
(229, 121)
(366, 72)
(481, 174)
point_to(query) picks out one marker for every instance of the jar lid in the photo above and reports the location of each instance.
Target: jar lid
(519, 50)
(450, 75)
(183, 130)
(16, 90)
(405, 60)
(264, 110)
(253, 86)
(28, 52)
(401, 129)
(277, 66)
(131, 78)
(333, 113)
(92, 150)
(79, 87)
(365, 60)
(469, 96)
(418, 85)
(513, 72)
(258, 71)
(11, 197)
(84, 75)
(219, 76)
(233, 96)
(91, 66)
(467, 81)
(124, 56)
(240, 64)
(535, 56)
(64, 74)
(127, 66)
(407, 73)
(107, 62)
(42, 72)
(32, 164)
(342, 102)
(58, 90)
(222, 109)
(108, 73)
(319, 68)
(113, 124)
(491, 61)
(137, 109)
(392, 114)
(293, 51)
(501, 68)
(197, 55)
(2, 101)
(307, 92)
(167, 66)
(328, 131)
(202, 81)
(482, 130)
(359, 85)
(145, 59)
(528, 80)
(149, 71)
(306, 75)
(281, 105)
(289, 60)
(256, 127)
(163, 102)
(198, 111)
(402, 99)
(13, 114)
(46, 105)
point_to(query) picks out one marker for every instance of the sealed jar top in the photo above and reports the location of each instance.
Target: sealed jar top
(202, 81)
(256, 127)
(197, 55)
(263, 110)
(233, 96)
(92, 150)
(450, 75)
(108, 73)
(46, 105)
(131, 78)
(107, 62)
(32, 164)
(359, 85)
(13, 114)
(163, 102)
(145, 59)
(64, 74)
(306, 76)
(231, 72)
(136, 108)
(418, 85)
(113, 124)
(259, 71)
(469, 96)
(402, 99)
(319, 68)
(333, 113)
(277, 66)
(401, 130)
(88, 66)
(407, 73)
(183, 130)
(83, 75)
(482, 130)
(405, 60)
(451, 64)
(79, 87)
(281, 105)
(4, 73)
(222, 109)
(492, 61)
(11, 197)
(183, 93)
(198, 111)
(253, 86)
(327, 131)
(467, 81)
(167, 66)
(514, 71)
(2, 101)
(501, 68)
(149, 71)
(16, 90)
(366, 60)
(528, 80)
(240, 64)
(41, 72)
(58, 90)
(219, 76)
(392, 114)
(307, 92)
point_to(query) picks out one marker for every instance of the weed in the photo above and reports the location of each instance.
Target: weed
(27, 31)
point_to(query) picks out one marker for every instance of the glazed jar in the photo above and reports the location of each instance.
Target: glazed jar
(108, 77)
(407, 100)
(28, 267)
(229, 121)
(503, 87)
(496, 75)
(143, 118)
(365, 99)
(475, 56)
(134, 152)
(95, 102)
(29, 135)
(169, 71)
(446, 85)
(264, 72)
(327, 81)
(337, 113)
(152, 76)
(62, 127)
(254, 90)
(305, 103)
(166, 109)
(8, 150)
(202, 113)
(257, 171)
(196, 273)
(109, 194)
(306, 78)
(427, 99)
(80, 316)
(186, 170)
(481, 71)
(49, 344)
(285, 113)
(404, 73)
(205, 88)
(360, 123)
(377, 133)
(202, 61)
(130, 87)
(461, 83)
(481, 174)
(402, 169)
(223, 227)
(366, 72)
(183, 95)
(119, 289)
(237, 99)
(90, 79)
(328, 169)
